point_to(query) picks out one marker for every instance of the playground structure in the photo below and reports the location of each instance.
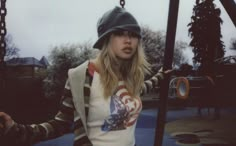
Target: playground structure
(195, 87)
(202, 91)
(183, 91)
(230, 7)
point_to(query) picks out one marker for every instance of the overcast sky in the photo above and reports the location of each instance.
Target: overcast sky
(37, 25)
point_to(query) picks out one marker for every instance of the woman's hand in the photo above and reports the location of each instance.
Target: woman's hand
(6, 122)
(166, 72)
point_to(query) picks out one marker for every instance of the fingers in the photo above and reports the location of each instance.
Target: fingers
(2, 123)
(5, 120)
(169, 71)
(166, 71)
(3, 117)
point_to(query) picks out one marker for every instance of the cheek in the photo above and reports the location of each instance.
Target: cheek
(135, 44)
(114, 42)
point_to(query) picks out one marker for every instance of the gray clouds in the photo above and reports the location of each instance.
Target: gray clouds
(36, 25)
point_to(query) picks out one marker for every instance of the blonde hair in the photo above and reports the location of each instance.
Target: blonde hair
(132, 71)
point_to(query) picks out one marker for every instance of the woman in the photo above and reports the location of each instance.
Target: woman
(102, 96)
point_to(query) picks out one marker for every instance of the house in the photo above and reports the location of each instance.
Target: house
(27, 67)
(44, 61)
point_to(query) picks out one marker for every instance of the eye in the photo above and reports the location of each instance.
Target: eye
(132, 34)
(118, 33)
(125, 33)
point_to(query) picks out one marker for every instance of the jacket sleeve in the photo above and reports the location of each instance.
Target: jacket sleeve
(29, 134)
(152, 82)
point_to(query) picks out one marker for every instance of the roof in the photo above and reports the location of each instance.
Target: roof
(44, 61)
(25, 61)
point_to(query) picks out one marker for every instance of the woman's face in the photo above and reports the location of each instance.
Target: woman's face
(123, 44)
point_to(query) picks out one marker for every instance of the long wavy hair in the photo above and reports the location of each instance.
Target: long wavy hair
(131, 71)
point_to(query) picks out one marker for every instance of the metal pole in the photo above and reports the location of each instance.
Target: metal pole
(3, 31)
(168, 58)
(230, 7)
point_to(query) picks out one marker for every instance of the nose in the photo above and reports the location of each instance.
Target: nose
(127, 37)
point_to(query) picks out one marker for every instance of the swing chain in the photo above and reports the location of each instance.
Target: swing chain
(3, 31)
(122, 3)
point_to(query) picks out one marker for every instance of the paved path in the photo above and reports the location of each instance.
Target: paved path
(145, 132)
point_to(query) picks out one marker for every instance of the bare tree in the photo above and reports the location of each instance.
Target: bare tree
(11, 49)
(233, 44)
(154, 46)
(61, 59)
(179, 58)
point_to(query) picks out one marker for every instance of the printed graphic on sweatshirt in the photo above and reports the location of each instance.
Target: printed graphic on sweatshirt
(124, 111)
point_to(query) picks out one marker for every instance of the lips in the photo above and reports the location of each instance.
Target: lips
(127, 50)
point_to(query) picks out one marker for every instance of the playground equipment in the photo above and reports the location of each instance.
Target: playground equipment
(189, 87)
(195, 87)
(230, 7)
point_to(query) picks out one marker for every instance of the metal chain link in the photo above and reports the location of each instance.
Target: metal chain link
(3, 31)
(122, 3)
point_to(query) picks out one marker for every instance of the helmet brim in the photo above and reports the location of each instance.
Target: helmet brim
(129, 27)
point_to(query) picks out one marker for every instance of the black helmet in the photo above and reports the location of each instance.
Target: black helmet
(114, 20)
